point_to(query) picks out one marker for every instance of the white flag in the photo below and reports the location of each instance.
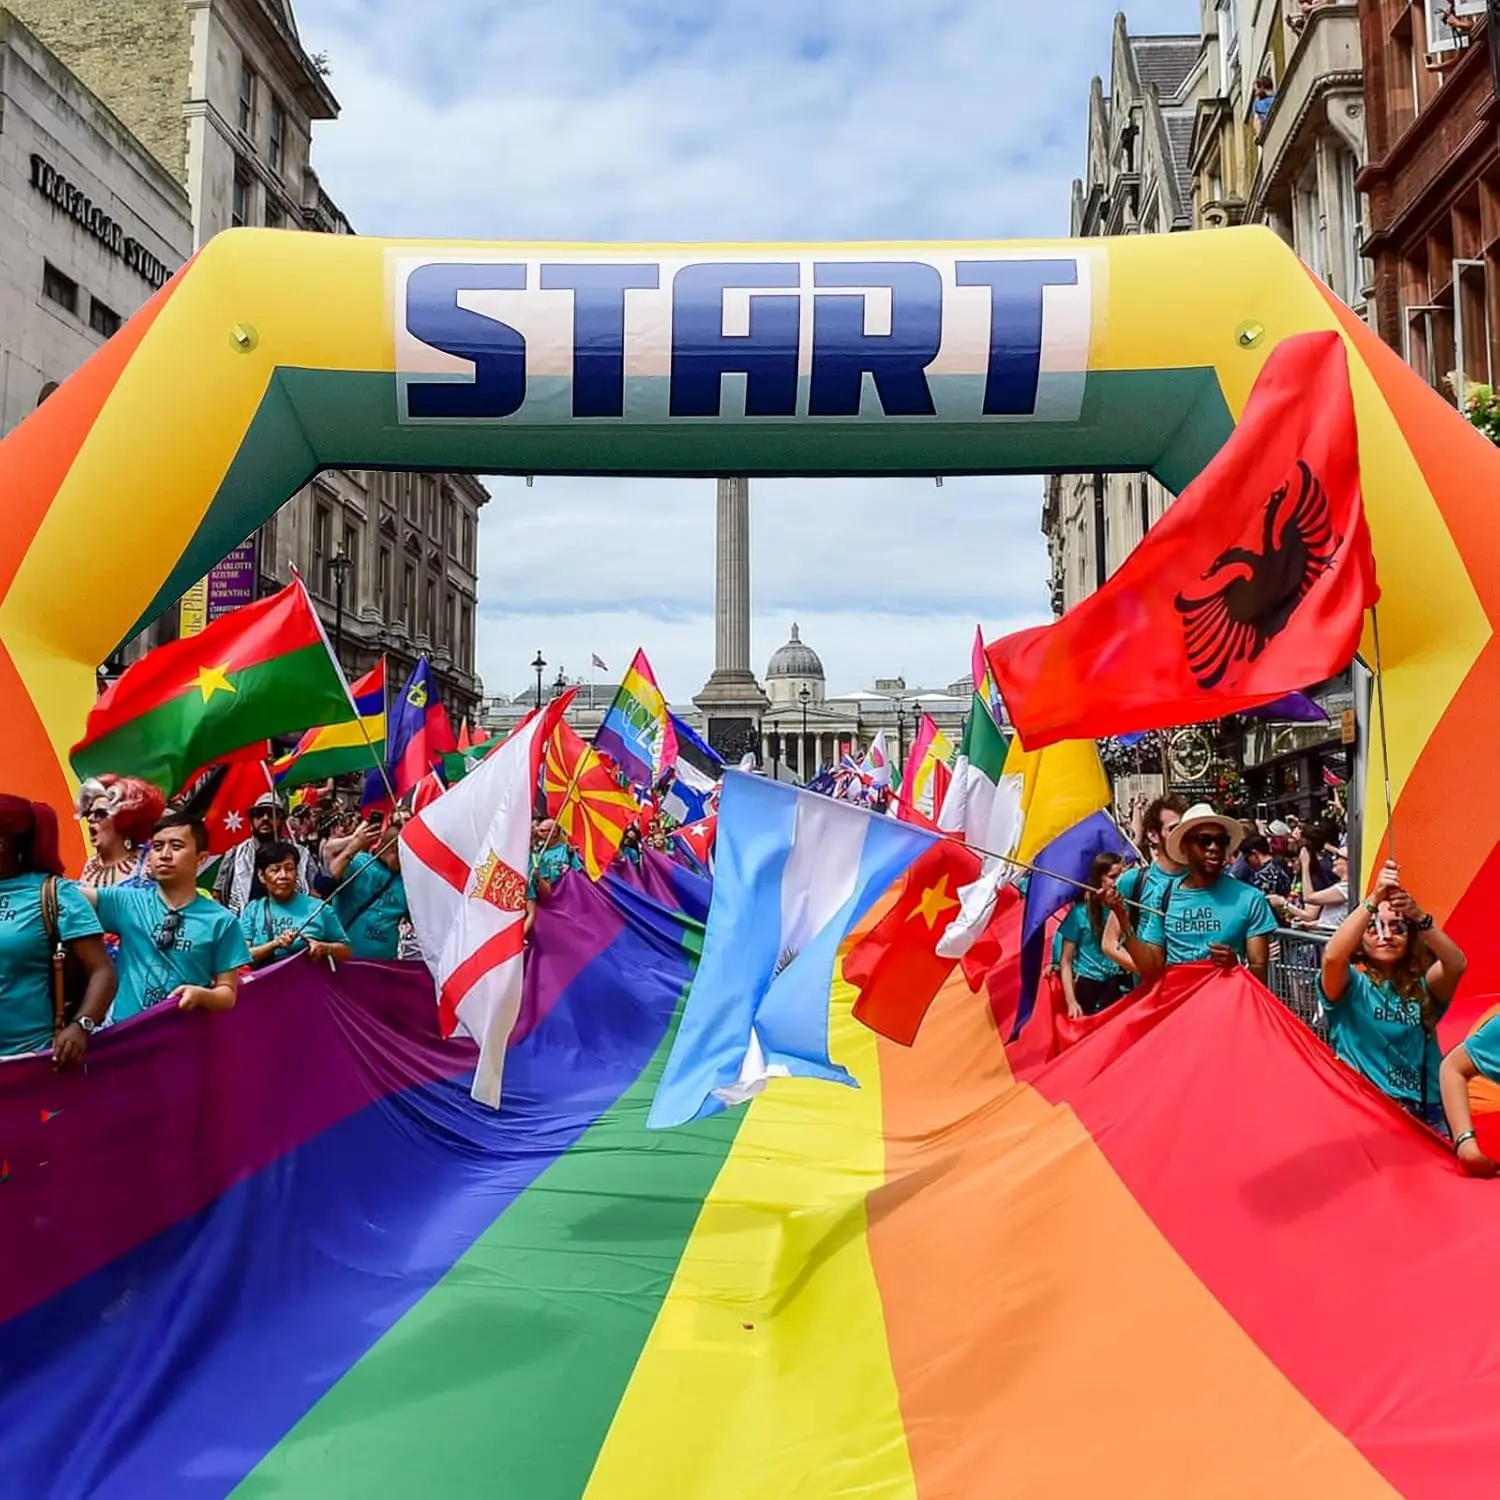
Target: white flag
(464, 861)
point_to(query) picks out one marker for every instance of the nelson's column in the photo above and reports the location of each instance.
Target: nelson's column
(732, 701)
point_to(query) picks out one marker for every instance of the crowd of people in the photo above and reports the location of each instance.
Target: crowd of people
(1210, 889)
(137, 930)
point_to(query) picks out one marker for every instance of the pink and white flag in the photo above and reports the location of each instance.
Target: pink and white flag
(464, 861)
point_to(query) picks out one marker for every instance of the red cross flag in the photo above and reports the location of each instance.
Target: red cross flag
(464, 860)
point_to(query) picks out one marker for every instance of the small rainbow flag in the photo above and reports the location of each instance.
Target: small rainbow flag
(637, 732)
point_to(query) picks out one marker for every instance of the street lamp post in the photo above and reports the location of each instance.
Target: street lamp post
(539, 666)
(900, 734)
(339, 565)
(561, 685)
(804, 697)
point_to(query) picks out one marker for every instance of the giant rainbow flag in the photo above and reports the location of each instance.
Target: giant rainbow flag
(278, 1252)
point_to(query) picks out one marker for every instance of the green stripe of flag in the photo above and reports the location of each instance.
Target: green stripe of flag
(504, 1379)
(319, 765)
(170, 742)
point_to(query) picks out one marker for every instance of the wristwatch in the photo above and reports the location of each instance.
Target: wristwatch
(1427, 923)
(88, 1024)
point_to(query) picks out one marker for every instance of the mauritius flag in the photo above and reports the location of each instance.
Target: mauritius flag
(335, 749)
(419, 735)
(259, 671)
(637, 732)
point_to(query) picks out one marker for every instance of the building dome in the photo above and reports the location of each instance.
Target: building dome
(795, 659)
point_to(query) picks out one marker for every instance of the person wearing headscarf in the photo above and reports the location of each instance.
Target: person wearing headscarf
(120, 813)
(40, 912)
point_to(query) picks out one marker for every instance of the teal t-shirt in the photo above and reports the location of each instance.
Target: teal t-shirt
(1381, 1035)
(1484, 1049)
(1225, 912)
(1089, 961)
(26, 957)
(207, 943)
(264, 920)
(551, 864)
(1057, 942)
(372, 907)
(1148, 886)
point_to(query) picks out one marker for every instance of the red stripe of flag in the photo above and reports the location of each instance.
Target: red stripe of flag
(489, 955)
(436, 855)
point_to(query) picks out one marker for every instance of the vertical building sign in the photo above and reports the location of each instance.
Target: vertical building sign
(227, 587)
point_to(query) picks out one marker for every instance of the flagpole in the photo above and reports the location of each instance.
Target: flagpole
(378, 761)
(1385, 749)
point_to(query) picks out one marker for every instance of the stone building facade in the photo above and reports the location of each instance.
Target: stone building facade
(1137, 181)
(90, 223)
(1433, 181)
(226, 97)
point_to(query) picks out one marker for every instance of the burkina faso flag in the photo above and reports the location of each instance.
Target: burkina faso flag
(256, 672)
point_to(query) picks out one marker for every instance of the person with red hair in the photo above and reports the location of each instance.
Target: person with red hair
(40, 914)
(121, 812)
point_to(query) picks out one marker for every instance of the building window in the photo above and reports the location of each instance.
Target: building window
(103, 320)
(450, 525)
(351, 551)
(322, 549)
(275, 214)
(411, 498)
(465, 659)
(59, 288)
(429, 609)
(409, 598)
(276, 144)
(239, 201)
(429, 505)
(450, 613)
(248, 86)
(46, 391)
(383, 584)
(467, 557)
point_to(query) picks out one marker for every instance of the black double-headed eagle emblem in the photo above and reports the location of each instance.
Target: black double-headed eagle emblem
(1248, 597)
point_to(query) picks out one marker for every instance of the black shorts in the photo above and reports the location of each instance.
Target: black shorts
(1094, 995)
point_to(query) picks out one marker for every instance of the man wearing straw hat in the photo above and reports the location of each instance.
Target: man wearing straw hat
(1208, 916)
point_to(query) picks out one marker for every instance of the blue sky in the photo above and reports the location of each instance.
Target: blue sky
(727, 119)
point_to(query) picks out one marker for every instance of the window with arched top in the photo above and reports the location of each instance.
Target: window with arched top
(46, 391)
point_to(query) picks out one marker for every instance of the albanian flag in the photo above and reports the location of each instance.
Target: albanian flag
(895, 966)
(1252, 585)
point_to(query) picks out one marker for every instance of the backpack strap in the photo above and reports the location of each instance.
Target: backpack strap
(52, 924)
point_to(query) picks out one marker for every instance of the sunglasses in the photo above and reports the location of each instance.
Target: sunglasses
(96, 815)
(166, 934)
(1209, 840)
(1394, 928)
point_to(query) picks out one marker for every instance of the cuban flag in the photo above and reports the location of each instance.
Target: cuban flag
(793, 872)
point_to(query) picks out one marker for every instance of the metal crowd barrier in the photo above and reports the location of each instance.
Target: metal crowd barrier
(1292, 975)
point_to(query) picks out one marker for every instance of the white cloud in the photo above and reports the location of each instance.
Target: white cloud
(725, 119)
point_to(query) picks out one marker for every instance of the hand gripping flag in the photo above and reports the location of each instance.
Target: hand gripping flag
(1252, 585)
(591, 807)
(793, 872)
(464, 861)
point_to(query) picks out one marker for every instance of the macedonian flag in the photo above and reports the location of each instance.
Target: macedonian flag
(584, 795)
(256, 672)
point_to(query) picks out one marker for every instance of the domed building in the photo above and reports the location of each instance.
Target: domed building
(793, 667)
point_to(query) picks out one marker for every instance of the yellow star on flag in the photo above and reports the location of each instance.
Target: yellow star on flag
(211, 680)
(935, 901)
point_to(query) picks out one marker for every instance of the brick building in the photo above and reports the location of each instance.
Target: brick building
(225, 97)
(1433, 183)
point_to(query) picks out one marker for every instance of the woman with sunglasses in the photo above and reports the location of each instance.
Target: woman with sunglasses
(1388, 975)
(1207, 915)
(38, 910)
(175, 944)
(120, 813)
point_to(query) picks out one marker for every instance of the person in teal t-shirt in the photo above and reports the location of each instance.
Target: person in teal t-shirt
(1090, 981)
(371, 900)
(1209, 916)
(38, 909)
(286, 920)
(1388, 974)
(1477, 1056)
(1146, 884)
(176, 945)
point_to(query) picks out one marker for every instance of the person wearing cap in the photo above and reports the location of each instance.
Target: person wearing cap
(237, 883)
(1146, 884)
(1388, 976)
(1208, 916)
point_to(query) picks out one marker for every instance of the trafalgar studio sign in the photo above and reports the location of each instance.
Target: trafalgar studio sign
(87, 214)
(228, 586)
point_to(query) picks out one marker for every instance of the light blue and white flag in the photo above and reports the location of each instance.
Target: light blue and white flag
(793, 873)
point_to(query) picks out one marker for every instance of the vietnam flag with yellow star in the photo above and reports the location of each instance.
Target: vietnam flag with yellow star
(895, 966)
(259, 671)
